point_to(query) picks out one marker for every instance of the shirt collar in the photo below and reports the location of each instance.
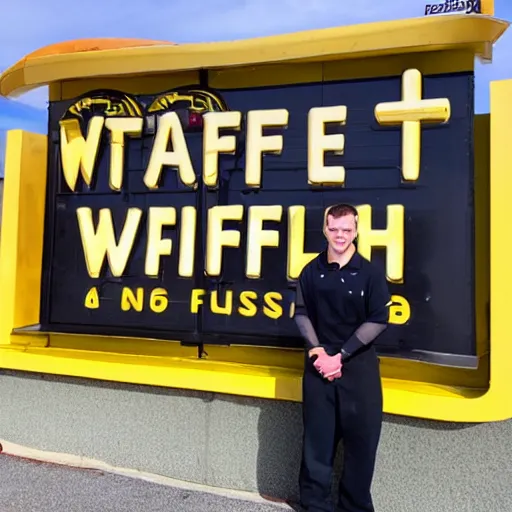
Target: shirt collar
(353, 263)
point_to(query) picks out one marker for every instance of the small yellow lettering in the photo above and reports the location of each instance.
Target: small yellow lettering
(248, 308)
(129, 300)
(119, 127)
(156, 246)
(196, 299)
(79, 154)
(399, 311)
(257, 237)
(272, 309)
(102, 242)
(217, 238)
(227, 309)
(319, 143)
(92, 300)
(257, 143)
(158, 300)
(213, 144)
(169, 127)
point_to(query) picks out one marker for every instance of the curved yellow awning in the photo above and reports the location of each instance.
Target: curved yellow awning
(115, 57)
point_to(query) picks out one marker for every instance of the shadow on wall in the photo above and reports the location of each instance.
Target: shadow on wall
(280, 443)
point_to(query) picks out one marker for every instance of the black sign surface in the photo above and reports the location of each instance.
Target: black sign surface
(438, 282)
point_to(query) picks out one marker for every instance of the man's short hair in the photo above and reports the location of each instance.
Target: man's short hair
(340, 210)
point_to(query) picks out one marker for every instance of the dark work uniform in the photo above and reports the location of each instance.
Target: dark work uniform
(338, 301)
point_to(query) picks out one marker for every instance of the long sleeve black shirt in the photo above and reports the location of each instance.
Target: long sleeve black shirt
(347, 307)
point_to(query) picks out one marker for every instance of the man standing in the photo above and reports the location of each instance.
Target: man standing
(342, 305)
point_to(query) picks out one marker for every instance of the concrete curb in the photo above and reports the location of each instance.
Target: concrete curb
(77, 461)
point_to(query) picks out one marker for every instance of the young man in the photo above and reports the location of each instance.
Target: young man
(342, 305)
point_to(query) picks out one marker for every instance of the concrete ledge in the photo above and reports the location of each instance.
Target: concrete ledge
(76, 461)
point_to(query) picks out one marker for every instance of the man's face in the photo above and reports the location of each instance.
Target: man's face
(340, 232)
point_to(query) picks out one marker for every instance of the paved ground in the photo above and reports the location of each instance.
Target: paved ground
(28, 486)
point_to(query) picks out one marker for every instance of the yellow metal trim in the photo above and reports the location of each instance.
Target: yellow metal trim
(475, 33)
(417, 399)
(274, 74)
(282, 74)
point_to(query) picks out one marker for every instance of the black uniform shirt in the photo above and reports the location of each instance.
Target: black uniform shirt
(338, 300)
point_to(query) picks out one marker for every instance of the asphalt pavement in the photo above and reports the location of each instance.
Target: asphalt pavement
(29, 486)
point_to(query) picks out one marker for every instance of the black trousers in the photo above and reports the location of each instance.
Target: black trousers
(347, 409)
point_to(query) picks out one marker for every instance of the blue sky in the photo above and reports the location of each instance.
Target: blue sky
(27, 25)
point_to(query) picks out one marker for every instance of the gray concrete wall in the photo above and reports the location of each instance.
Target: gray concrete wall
(249, 444)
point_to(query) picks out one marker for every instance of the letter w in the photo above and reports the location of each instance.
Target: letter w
(97, 244)
(77, 153)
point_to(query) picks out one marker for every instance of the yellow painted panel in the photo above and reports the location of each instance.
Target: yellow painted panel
(282, 74)
(127, 346)
(265, 75)
(482, 234)
(21, 245)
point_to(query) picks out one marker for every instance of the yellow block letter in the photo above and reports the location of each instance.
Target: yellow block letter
(196, 299)
(297, 258)
(272, 309)
(248, 308)
(92, 300)
(97, 244)
(119, 126)
(257, 237)
(399, 311)
(158, 217)
(213, 144)
(77, 153)
(392, 238)
(216, 237)
(158, 300)
(187, 241)
(410, 112)
(319, 143)
(257, 143)
(227, 309)
(169, 126)
(129, 300)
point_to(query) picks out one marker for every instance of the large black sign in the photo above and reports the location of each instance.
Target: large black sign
(437, 321)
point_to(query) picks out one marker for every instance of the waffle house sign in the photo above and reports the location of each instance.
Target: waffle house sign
(156, 234)
(189, 214)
